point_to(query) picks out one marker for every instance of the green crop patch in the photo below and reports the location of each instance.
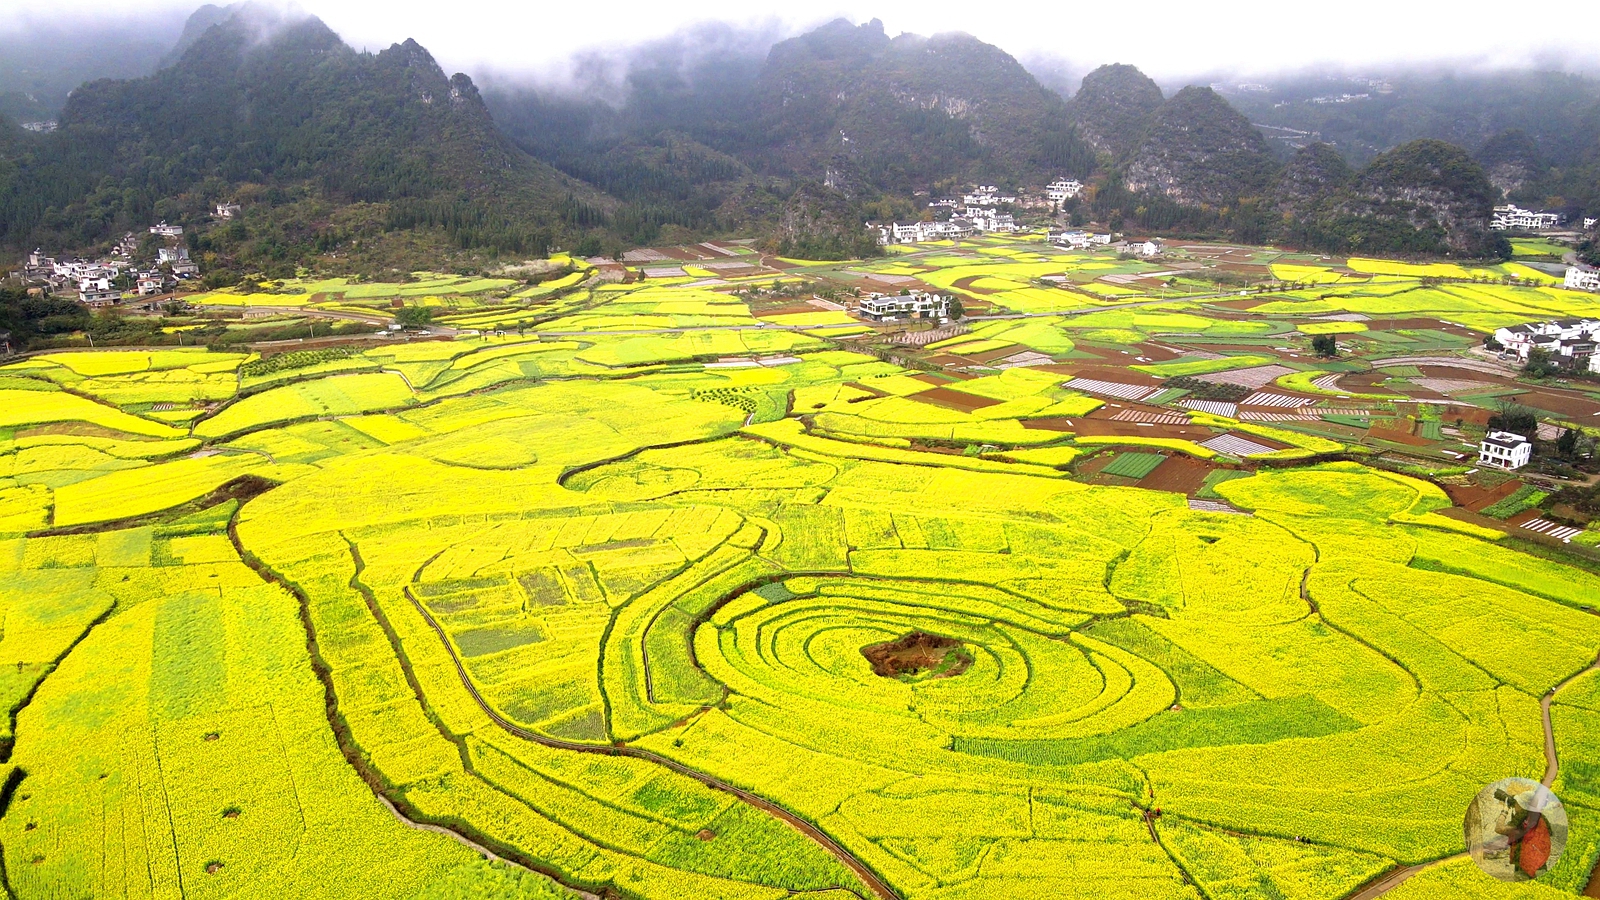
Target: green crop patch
(1133, 465)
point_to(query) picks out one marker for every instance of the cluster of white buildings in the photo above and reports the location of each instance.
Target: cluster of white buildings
(1512, 216)
(1571, 343)
(94, 281)
(986, 195)
(913, 305)
(1582, 278)
(1063, 189)
(1079, 240)
(970, 222)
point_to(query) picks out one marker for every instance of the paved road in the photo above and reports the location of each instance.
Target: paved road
(770, 326)
(345, 316)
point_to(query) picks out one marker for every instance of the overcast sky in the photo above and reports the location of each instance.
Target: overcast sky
(1168, 40)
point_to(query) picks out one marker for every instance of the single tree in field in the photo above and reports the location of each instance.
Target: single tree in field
(1325, 345)
(413, 316)
(956, 309)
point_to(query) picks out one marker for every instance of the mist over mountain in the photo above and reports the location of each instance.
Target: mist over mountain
(798, 140)
(41, 65)
(277, 110)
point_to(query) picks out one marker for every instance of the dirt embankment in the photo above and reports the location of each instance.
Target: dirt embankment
(918, 653)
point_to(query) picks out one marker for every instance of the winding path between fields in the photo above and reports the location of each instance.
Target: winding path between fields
(1552, 766)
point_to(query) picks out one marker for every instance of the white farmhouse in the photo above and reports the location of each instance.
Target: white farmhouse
(1590, 223)
(166, 230)
(1504, 450)
(1062, 190)
(1513, 216)
(1583, 278)
(915, 305)
(227, 210)
(97, 292)
(172, 255)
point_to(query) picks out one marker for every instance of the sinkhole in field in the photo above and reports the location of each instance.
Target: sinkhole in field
(918, 656)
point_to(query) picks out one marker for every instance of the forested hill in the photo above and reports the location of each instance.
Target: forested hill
(910, 111)
(282, 113)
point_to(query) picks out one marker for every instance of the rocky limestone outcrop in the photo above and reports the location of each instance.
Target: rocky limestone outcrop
(1113, 107)
(1198, 150)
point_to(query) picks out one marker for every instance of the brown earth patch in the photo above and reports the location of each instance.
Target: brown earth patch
(1475, 497)
(989, 356)
(965, 284)
(1567, 404)
(1157, 352)
(1361, 382)
(1398, 435)
(79, 429)
(954, 399)
(871, 390)
(918, 653)
(1180, 474)
(1106, 373)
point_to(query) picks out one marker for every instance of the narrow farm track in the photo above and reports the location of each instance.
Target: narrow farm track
(351, 753)
(866, 874)
(470, 844)
(1552, 767)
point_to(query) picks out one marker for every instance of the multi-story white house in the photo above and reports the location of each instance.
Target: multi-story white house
(172, 254)
(227, 210)
(97, 292)
(166, 230)
(1589, 223)
(1062, 190)
(915, 305)
(1504, 450)
(1571, 343)
(1582, 278)
(1513, 216)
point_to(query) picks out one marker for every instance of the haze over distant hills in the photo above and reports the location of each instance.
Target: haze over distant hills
(799, 141)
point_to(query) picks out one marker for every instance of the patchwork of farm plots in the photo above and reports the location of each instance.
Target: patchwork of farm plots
(593, 600)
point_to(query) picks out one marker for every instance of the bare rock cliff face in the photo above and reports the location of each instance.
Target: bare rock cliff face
(1511, 160)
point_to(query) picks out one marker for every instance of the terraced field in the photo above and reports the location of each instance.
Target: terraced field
(595, 607)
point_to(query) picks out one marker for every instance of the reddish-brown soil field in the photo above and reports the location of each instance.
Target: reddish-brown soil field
(1475, 498)
(1566, 403)
(871, 390)
(953, 399)
(965, 284)
(1180, 474)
